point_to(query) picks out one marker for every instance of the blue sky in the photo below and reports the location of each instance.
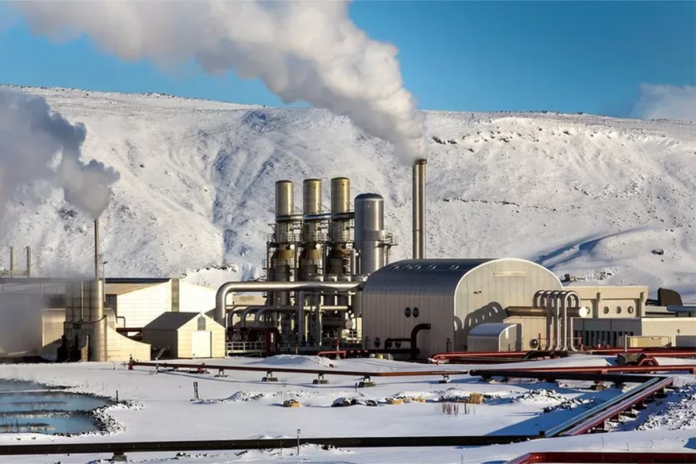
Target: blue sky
(470, 56)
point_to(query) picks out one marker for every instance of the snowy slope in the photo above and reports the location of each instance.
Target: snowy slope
(585, 195)
(241, 406)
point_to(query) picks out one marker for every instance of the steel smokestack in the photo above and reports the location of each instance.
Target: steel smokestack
(96, 250)
(419, 209)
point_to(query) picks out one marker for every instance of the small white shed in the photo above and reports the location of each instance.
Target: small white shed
(494, 336)
(186, 335)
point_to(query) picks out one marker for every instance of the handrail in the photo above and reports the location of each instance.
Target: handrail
(626, 403)
(594, 411)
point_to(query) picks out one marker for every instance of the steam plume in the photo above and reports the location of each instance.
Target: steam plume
(31, 136)
(308, 51)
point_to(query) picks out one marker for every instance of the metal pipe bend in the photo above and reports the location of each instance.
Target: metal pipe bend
(254, 286)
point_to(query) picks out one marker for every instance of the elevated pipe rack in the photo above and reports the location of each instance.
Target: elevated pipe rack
(593, 457)
(121, 448)
(293, 370)
(599, 415)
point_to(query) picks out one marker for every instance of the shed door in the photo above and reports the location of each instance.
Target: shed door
(201, 342)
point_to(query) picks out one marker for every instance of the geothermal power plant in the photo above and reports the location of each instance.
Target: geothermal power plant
(330, 284)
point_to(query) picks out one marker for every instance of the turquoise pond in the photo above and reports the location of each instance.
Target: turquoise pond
(30, 407)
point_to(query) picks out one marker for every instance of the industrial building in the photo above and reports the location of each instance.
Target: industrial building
(452, 296)
(137, 302)
(330, 283)
(55, 318)
(185, 335)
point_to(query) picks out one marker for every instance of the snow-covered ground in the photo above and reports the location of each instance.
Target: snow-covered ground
(612, 201)
(242, 406)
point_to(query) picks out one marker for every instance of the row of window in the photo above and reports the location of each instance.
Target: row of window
(408, 312)
(619, 310)
(415, 267)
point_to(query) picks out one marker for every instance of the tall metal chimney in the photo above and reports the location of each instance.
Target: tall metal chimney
(419, 209)
(96, 250)
(28, 261)
(12, 262)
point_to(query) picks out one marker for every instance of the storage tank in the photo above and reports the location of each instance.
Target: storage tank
(369, 231)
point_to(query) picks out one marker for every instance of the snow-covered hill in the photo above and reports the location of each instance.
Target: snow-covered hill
(609, 200)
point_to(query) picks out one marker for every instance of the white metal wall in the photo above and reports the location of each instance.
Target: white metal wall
(184, 338)
(485, 292)
(140, 307)
(196, 298)
(385, 315)
(613, 301)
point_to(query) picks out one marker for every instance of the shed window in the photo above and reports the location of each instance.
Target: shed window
(201, 323)
(407, 312)
(415, 312)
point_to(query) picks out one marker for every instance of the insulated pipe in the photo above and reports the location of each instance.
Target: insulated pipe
(252, 286)
(229, 317)
(318, 322)
(563, 297)
(571, 295)
(555, 297)
(419, 209)
(544, 298)
(291, 308)
(414, 338)
(300, 318)
(526, 311)
(280, 309)
(245, 313)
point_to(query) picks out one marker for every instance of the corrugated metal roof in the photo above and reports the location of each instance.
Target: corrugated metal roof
(123, 288)
(170, 321)
(490, 329)
(137, 280)
(432, 276)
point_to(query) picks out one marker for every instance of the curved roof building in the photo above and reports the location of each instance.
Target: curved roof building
(452, 295)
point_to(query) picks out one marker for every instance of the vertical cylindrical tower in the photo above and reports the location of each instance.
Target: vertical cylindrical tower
(369, 231)
(12, 262)
(340, 195)
(419, 209)
(312, 257)
(284, 206)
(338, 259)
(282, 246)
(311, 196)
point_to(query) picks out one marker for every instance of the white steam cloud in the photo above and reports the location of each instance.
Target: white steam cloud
(666, 102)
(32, 138)
(309, 51)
